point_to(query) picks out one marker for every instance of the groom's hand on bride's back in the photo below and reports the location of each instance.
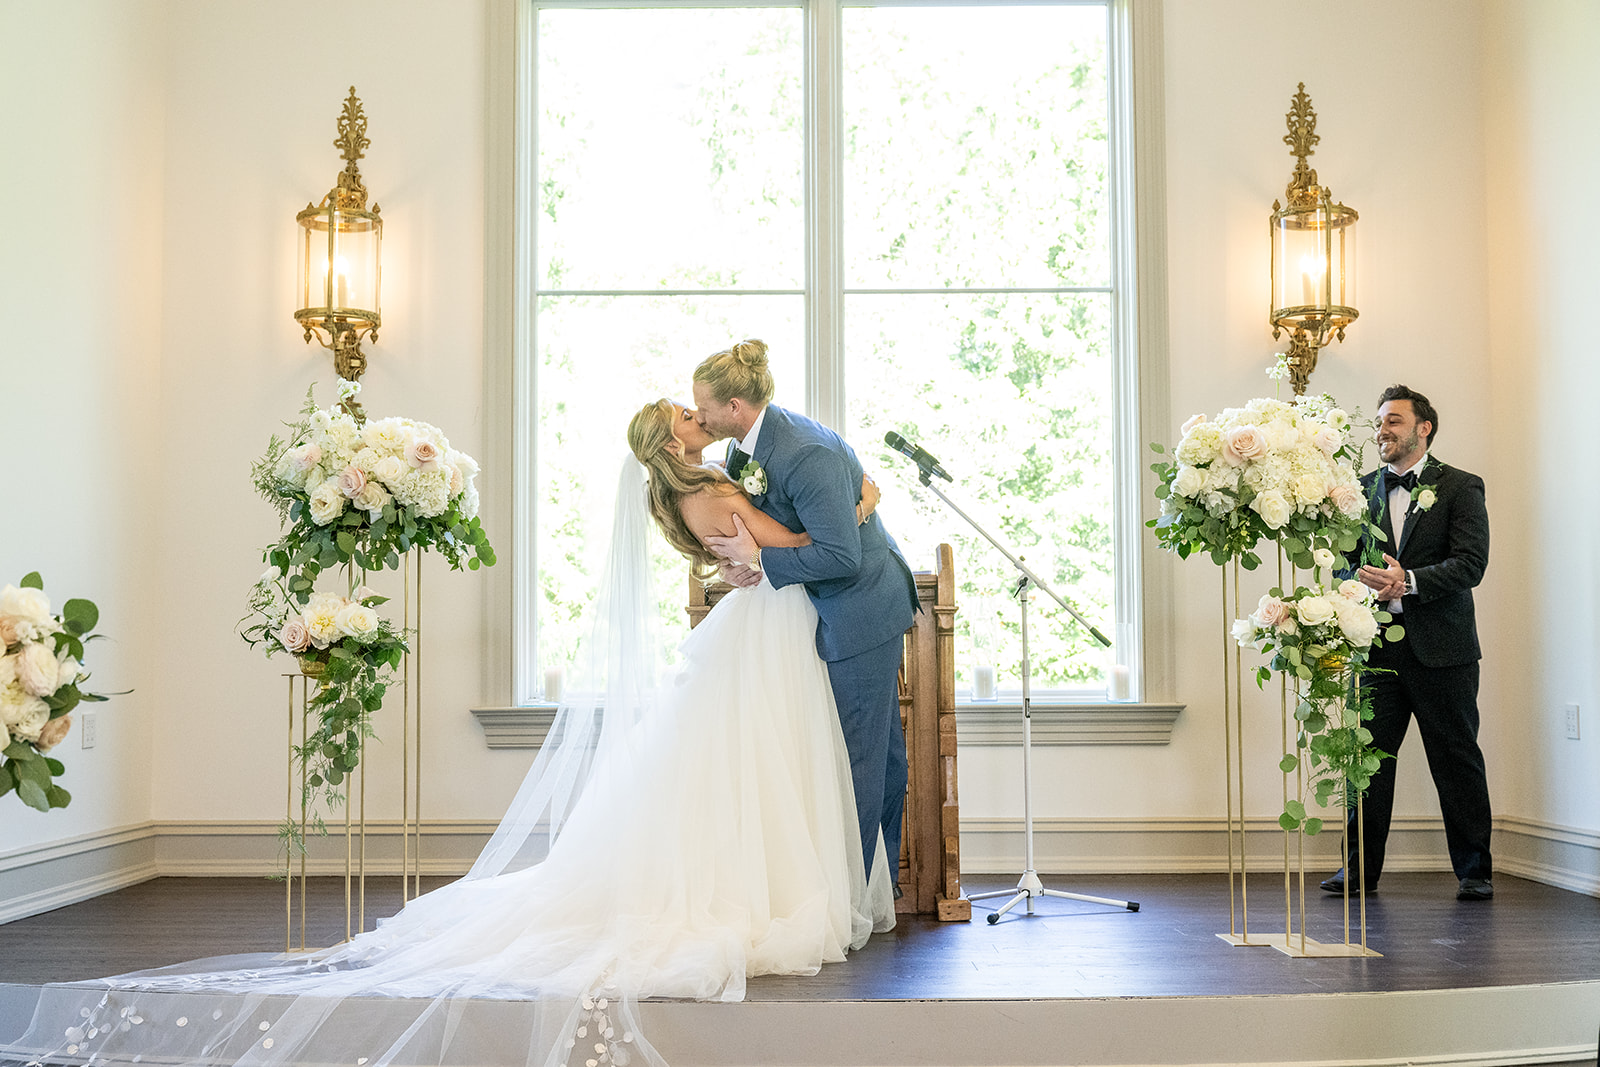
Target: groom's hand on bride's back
(739, 547)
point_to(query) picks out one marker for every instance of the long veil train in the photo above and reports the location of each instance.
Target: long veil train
(678, 832)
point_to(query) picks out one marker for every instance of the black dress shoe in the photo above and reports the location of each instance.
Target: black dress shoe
(1475, 889)
(1335, 884)
(898, 892)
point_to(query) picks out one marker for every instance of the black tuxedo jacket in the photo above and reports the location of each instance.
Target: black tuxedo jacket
(1447, 548)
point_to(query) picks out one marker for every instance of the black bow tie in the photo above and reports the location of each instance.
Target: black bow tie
(1393, 481)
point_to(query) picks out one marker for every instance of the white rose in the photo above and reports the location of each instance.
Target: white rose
(327, 502)
(372, 498)
(8, 669)
(29, 607)
(1426, 499)
(1338, 418)
(356, 621)
(1273, 507)
(1322, 558)
(1351, 589)
(1356, 622)
(1189, 481)
(1309, 488)
(23, 714)
(70, 669)
(1244, 632)
(322, 621)
(38, 670)
(389, 470)
(1315, 610)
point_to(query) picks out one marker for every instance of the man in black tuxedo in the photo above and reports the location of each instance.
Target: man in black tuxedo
(1435, 519)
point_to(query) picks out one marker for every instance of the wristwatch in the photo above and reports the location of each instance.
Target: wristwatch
(755, 560)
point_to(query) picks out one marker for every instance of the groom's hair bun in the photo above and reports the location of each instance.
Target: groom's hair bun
(740, 371)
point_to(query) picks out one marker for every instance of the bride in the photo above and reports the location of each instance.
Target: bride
(678, 833)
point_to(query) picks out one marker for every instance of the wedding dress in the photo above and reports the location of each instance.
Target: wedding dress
(679, 832)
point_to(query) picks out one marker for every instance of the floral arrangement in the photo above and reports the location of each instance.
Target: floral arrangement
(1272, 470)
(343, 643)
(352, 492)
(39, 674)
(365, 492)
(1320, 638)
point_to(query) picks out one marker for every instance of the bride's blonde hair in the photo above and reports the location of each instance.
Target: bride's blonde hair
(672, 479)
(740, 371)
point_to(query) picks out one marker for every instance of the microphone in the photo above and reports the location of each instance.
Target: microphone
(925, 463)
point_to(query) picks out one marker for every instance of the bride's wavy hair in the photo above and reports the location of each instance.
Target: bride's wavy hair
(672, 479)
(740, 371)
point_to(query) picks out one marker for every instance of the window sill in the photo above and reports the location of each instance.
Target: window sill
(999, 723)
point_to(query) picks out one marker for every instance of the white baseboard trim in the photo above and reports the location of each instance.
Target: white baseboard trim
(46, 877)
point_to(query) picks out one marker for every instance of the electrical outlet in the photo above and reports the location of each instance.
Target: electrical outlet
(1572, 722)
(86, 728)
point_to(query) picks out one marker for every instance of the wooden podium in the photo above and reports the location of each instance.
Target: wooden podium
(930, 848)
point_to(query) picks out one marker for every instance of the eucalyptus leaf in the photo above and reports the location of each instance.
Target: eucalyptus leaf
(33, 794)
(31, 580)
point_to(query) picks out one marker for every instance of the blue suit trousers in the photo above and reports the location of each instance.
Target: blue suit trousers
(867, 689)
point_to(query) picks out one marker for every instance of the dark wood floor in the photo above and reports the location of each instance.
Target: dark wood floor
(1531, 933)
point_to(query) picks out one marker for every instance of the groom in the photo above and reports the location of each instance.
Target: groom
(803, 475)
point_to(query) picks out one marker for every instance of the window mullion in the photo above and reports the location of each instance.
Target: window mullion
(825, 385)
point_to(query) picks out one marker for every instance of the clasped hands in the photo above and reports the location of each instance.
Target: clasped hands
(1387, 582)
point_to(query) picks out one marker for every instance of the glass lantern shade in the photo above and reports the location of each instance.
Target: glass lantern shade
(338, 267)
(1314, 268)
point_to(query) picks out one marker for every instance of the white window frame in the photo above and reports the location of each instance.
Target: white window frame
(1139, 314)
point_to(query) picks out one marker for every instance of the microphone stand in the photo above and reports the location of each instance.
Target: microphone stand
(1028, 886)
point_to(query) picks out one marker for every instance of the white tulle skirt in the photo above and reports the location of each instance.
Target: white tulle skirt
(714, 840)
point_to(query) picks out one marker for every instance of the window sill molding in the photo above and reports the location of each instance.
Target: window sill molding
(997, 724)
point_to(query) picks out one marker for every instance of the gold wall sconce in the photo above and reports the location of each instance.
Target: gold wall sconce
(339, 260)
(1313, 255)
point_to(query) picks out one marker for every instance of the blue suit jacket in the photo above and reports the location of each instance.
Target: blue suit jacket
(855, 574)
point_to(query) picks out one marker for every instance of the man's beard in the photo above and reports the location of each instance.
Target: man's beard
(1398, 447)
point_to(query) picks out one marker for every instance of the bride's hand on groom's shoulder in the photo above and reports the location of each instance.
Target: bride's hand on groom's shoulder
(740, 575)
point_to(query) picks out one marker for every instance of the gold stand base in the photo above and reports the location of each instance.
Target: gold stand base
(1311, 948)
(1244, 940)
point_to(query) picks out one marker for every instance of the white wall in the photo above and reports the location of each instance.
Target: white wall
(252, 103)
(80, 370)
(1544, 277)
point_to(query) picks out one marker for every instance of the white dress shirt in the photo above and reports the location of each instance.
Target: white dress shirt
(747, 444)
(1399, 508)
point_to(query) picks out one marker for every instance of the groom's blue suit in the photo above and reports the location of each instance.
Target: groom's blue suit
(865, 598)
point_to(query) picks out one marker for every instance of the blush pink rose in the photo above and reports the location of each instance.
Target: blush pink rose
(352, 480)
(424, 455)
(294, 636)
(54, 732)
(1194, 420)
(305, 457)
(1348, 499)
(8, 631)
(1271, 611)
(1242, 444)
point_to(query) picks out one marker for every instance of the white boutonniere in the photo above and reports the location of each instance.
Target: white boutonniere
(752, 478)
(1423, 497)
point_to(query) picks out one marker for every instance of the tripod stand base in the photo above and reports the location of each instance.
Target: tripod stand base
(1029, 887)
